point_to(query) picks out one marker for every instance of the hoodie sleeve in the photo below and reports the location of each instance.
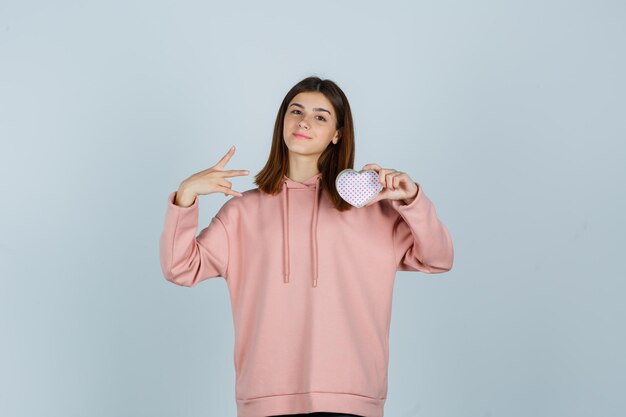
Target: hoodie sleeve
(186, 259)
(421, 241)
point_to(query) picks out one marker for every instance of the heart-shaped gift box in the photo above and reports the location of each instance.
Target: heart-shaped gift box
(358, 187)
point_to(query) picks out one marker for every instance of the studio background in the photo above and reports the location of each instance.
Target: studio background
(509, 113)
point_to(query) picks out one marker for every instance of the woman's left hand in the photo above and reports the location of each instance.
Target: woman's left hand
(397, 185)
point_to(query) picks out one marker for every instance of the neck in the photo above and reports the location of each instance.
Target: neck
(302, 168)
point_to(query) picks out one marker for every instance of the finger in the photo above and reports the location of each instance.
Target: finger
(397, 178)
(222, 162)
(382, 176)
(370, 166)
(226, 184)
(394, 179)
(385, 176)
(389, 180)
(235, 172)
(228, 191)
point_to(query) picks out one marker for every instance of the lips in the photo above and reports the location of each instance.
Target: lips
(300, 135)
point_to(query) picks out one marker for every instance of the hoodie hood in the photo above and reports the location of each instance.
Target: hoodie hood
(312, 184)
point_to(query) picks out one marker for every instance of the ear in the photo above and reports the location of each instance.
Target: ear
(337, 136)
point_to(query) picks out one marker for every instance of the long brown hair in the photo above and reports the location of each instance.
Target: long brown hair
(334, 159)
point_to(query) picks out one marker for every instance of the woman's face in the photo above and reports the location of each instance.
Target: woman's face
(310, 114)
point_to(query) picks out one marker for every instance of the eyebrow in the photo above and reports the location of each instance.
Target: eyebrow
(315, 109)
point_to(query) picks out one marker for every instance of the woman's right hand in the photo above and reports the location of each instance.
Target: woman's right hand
(211, 180)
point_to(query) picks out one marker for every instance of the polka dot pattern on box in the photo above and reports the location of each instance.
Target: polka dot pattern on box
(358, 187)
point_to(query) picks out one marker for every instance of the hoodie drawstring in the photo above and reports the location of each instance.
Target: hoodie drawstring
(314, 231)
(286, 231)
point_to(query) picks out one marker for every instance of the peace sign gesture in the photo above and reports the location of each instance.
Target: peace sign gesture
(397, 185)
(211, 180)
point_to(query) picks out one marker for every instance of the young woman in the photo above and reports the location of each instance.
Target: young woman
(310, 277)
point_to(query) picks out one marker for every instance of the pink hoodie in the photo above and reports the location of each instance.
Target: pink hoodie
(310, 290)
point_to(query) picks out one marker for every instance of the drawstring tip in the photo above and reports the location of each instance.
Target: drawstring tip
(286, 279)
(315, 282)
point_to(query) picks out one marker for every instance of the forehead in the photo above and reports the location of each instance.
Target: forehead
(312, 99)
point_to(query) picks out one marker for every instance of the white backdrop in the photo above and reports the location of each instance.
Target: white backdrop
(509, 113)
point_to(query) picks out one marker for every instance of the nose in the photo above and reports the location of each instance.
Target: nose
(303, 122)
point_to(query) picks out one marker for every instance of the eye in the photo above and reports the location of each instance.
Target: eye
(298, 112)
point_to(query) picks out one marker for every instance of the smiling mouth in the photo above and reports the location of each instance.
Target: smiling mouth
(301, 136)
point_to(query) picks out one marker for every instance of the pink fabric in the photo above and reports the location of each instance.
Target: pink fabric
(310, 290)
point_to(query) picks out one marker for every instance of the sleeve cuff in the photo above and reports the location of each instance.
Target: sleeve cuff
(172, 198)
(400, 204)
